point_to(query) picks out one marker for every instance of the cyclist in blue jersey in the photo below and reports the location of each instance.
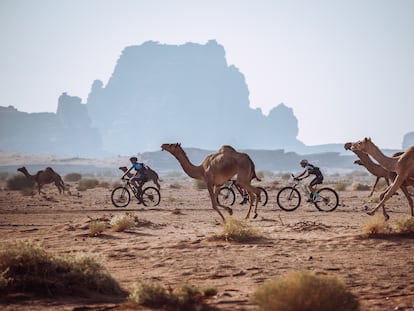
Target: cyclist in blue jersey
(311, 169)
(140, 176)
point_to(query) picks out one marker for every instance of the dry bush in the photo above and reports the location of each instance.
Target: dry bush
(121, 223)
(305, 290)
(404, 225)
(340, 186)
(72, 177)
(376, 224)
(154, 295)
(175, 186)
(357, 186)
(200, 184)
(20, 182)
(87, 183)
(238, 231)
(96, 227)
(27, 267)
(104, 184)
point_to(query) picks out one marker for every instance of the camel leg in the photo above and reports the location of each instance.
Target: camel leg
(213, 198)
(373, 187)
(216, 192)
(387, 194)
(409, 199)
(254, 195)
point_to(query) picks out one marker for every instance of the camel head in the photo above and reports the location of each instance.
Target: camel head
(347, 146)
(359, 162)
(172, 148)
(23, 169)
(123, 168)
(361, 145)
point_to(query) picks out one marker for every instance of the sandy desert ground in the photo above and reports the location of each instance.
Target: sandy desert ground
(172, 245)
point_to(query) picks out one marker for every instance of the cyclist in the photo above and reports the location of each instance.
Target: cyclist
(311, 169)
(140, 176)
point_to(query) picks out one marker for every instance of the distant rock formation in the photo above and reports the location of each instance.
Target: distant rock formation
(408, 140)
(183, 93)
(66, 132)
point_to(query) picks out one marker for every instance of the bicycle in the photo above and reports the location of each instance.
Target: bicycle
(148, 196)
(289, 198)
(227, 195)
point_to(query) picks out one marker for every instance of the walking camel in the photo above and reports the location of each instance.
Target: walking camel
(377, 170)
(403, 166)
(152, 175)
(216, 169)
(43, 177)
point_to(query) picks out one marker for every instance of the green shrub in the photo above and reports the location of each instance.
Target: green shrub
(85, 184)
(73, 177)
(20, 182)
(305, 290)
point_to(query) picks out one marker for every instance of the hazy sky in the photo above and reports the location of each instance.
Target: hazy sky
(345, 67)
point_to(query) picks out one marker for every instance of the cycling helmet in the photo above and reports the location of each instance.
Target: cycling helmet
(133, 158)
(305, 162)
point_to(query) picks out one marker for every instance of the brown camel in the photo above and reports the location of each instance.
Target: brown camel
(152, 175)
(402, 165)
(216, 169)
(377, 170)
(43, 177)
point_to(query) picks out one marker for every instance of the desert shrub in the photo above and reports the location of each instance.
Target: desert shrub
(356, 186)
(87, 183)
(175, 186)
(154, 295)
(96, 227)
(72, 177)
(238, 231)
(200, 184)
(19, 182)
(340, 186)
(121, 223)
(405, 225)
(27, 266)
(356, 175)
(376, 224)
(285, 176)
(305, 290)
(4, 176)
(104, 184)
(27, 192)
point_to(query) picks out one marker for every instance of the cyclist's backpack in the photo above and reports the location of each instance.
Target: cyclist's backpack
(314, 170)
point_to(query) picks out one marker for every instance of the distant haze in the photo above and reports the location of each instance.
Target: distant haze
(345, 68)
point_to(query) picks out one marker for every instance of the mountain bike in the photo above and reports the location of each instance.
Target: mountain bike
(289, 198)
(227, 194)
(148, 196)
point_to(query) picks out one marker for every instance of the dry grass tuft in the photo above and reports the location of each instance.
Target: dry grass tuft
(305, 290)
(96, 227)
(27, 267)
(154, 295)
(340, 186)
(405, 225)
(200, 184)
(238, 231)
(376, 224)
(356, 186)
(87, 183)
(121, 223)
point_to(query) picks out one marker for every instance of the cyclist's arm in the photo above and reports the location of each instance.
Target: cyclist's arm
(302, 175)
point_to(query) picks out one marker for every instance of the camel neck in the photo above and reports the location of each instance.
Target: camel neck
(386, 162)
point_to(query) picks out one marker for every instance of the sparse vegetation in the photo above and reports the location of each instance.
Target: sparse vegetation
(339, 186)
(20, 182)
(96, 227)
(25, 266)
(405, 225)
(357, 186)
(305, 290)
(200, 184)
(72, 177)
(238, 231)
(376, 224)
(87, 183)
(154, 295)
(121, 223)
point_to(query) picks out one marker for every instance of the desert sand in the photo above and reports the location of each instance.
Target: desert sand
(172, 244)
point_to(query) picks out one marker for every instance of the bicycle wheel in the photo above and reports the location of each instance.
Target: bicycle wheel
(151, 196)
(263, 196)
(288, 199)
(226, 196)
(328, 200)
(120, 196)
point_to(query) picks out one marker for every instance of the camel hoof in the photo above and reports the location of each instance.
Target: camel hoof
(386, 217)
(371, 213)
(255, 216)
(230, 211)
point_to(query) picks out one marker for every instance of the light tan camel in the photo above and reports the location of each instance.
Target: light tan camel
(216, 169)
(403, 166)
(43, 177)
(152, 175)
(377, 170)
